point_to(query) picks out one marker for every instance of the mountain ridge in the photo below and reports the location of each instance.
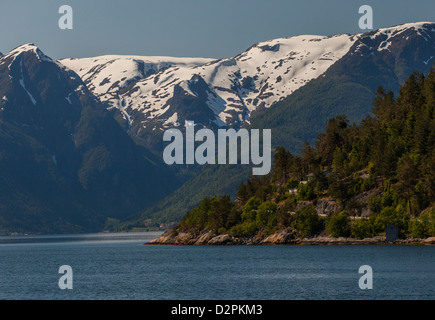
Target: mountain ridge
(65, 164)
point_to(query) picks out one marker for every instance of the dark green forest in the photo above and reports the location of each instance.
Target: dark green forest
(378, 172)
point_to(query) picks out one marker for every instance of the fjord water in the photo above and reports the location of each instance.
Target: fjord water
(120, 266)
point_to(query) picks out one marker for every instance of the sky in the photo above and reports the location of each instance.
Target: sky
(187, 28)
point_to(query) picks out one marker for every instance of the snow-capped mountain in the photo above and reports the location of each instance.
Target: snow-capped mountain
(160, 92)
(107, 76)
(388, 36)
(384, 57)
(230, 88)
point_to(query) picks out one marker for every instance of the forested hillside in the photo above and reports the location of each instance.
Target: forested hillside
(353, 182)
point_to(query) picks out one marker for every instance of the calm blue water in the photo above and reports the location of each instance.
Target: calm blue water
(112, 266)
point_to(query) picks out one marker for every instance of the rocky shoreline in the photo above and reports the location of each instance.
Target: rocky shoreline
(282, 237)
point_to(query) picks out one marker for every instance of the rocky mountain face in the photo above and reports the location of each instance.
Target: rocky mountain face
(65, 163)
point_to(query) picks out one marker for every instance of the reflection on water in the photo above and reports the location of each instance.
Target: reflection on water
(91, 237)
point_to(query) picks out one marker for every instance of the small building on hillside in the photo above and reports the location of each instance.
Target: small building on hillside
(293, 191)
(391, 233)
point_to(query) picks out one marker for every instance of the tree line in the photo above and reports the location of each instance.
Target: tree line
(385, 164)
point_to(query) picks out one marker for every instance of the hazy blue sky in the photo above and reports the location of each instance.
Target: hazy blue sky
(196, 28)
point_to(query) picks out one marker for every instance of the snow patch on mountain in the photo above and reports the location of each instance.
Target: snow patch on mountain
(392, 32)
(21, 80)
(106, 75)
(29, 47)
(172, 121)
(427, 61)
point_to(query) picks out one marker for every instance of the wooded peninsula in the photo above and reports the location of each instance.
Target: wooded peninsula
(347, 188)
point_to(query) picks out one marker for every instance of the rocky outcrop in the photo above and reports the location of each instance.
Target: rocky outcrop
(222, 239)
(341, 241)
(170, 237)
(326, 206)
(430, 240)
(281, 237)
(205, 238)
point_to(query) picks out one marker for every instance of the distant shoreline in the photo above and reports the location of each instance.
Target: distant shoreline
(282, 237)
